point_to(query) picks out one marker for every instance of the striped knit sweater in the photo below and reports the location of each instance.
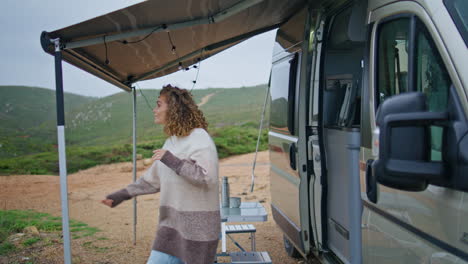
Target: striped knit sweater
(187, 177)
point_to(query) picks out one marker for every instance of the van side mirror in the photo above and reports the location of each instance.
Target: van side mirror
(404, 143)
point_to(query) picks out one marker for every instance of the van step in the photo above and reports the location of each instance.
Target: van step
(233, 229)
(250, 257)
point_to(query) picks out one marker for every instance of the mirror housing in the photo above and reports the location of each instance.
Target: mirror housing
(404, 147)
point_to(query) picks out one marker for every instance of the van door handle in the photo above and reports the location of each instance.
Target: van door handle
(292, 156)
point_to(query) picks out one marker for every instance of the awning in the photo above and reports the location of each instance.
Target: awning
(149, 40)
(155, 38)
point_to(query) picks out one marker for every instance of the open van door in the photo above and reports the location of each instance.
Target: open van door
(335, 130)
(414, 153)
(287, 143)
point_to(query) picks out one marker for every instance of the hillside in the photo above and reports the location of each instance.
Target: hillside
(29, 126)
(23, 113)
(23, 107)
(109, 120)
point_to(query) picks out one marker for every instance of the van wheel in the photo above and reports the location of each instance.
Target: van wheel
(290, 249)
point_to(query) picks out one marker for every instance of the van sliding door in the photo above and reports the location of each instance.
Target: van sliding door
(288, 174)
(283, 140)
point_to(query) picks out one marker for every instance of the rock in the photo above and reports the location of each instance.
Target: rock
(15, 237)
(139, 156)
(147, 162)
(31, 230)
(127, 168)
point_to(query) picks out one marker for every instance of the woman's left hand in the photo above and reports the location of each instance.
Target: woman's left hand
(158, 154)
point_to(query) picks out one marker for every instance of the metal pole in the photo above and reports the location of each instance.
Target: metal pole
(134, 166)
(62, 153)
(258, 139)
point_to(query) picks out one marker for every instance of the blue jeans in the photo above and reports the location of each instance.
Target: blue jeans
(158, 257)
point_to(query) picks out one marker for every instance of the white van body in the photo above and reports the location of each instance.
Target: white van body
(369, 133)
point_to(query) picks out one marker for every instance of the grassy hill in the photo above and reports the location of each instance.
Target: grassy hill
(23, 107)
(109, 120)
(27, 118)
(100, 130)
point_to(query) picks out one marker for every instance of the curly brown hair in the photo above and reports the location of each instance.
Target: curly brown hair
(182, 114)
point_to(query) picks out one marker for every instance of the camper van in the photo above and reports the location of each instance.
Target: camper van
(368, 134)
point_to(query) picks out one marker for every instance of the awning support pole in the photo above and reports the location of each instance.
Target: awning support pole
(252, 183)
(62, 152)
(134, 165)
(220, 16)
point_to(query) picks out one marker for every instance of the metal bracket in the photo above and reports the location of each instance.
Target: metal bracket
(58, 46)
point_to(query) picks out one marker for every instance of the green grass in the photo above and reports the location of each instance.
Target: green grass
(89, 245)
(231, 140)
(31, 241)
(14, 221)
(239, 139)
(6, 247)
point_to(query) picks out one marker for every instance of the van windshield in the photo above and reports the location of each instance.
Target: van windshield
(458, 10)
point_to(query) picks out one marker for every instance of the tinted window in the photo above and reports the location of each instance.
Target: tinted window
(393, 58)
(282, 94)
(433, 80)
(395, 51)
(458, 10)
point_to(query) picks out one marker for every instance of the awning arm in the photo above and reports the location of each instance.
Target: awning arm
(104, 74)
(84, 63)
(220, 16)
(207, 48)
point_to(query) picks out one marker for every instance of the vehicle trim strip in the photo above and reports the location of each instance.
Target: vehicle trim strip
(290, 178)
(292, 231)
(285, 137)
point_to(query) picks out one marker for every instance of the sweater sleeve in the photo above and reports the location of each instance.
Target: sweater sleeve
(201, 168)
(147, 184)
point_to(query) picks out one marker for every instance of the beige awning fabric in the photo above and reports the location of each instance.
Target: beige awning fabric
(156, 37)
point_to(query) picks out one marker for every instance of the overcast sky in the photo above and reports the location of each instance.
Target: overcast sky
(25, 63)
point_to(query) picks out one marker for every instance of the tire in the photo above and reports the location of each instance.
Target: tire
(290, 249)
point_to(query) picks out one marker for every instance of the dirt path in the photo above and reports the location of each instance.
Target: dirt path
(205, 99)
(88, 187)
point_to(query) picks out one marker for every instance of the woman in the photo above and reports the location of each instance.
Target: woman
(185, 171)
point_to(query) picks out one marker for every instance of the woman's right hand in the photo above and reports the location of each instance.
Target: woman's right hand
(108, 202)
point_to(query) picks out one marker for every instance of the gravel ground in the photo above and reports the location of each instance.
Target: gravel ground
(88, 187)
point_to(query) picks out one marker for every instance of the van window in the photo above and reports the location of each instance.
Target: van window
(458, 10)
(393, 58)
(283, 94)
(342, 69)
(427, 75)
(433, 80)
